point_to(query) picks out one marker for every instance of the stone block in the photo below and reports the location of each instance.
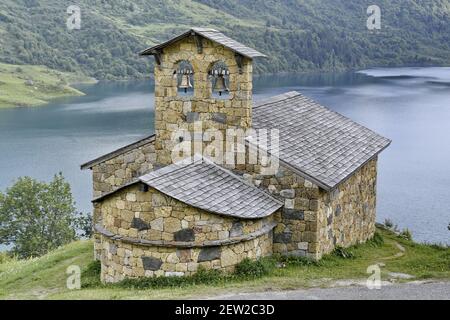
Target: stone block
(289, 203)
(223, 235)
(219, 117)
(139, 224)
(151, 263)
(308, 184)
(299, 253)
(292, 214)
(157, 224)
(337, 211)
(158, 199)
(228, 258)
(191, 117)
(284, 237)
(172, 225)
(288, 193)
(164, 211)
(310, 215)
(185, 235)
(174, 274)
(314, 205)
(173, 258)
(330, 220)
(131, 197)
(184, 255)
(112, 248)
(236, 229)
(209, 253)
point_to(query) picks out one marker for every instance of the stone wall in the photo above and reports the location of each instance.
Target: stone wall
(120, 260)
(118, 171)
(173, 112)
(153, 216)
(146, 233)
(123, 168)
(347, 215)
(296, 230)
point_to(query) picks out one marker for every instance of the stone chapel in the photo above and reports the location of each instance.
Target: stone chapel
(154, 216)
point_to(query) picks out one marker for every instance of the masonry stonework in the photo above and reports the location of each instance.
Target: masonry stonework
(122, 169)
(303, 208)
(174, 113)
(346, 215)
(146, 233)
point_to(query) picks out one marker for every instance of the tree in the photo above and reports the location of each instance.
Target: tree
(36, 217)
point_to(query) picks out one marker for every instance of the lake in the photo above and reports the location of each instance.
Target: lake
(411, 106)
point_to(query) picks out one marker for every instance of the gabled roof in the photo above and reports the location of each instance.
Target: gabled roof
(212, 35)
(319, 144)
(200, 183)
(115, 153)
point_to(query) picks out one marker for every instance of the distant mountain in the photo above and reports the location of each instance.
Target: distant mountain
(298, 35)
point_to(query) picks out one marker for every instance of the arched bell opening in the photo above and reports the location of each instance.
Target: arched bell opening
(219, 75)
(184, 73)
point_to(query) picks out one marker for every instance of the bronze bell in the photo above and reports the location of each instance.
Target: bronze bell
(185, 80)
(220, 84)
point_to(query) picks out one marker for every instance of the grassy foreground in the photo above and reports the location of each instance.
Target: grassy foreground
(28, 86)
(45, 277)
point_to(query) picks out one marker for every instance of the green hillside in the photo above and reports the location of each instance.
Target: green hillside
(299, 35)
(45, 277)
(29, 86)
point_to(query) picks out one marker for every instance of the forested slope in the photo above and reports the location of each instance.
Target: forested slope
(298, 35)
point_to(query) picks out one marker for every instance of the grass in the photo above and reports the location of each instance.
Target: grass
(45, 277)
(29, 86)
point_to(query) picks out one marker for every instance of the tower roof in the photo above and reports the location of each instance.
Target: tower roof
(210, 34)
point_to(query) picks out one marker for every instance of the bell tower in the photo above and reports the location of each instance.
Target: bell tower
(201, 77)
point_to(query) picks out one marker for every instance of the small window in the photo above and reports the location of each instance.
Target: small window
(220, 80)
(185, 78)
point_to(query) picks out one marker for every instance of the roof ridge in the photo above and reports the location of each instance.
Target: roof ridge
(212, 35)
(231, 173)
(170, 168)
(203, 29)
(196, 159)
(278, 98)
(117, 152)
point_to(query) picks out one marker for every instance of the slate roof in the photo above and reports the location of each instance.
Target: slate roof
(212, 35)
(115, 153)
(320, 144)
(205, 185)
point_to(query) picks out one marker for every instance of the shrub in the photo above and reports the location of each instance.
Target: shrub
(377, 240)
(201, 277)
(344, 253)
(254, 268)
(296, 261)
(406, 234)
(90, 277)
(388, 223)
(37, 217)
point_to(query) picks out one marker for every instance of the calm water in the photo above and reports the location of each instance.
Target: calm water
(409, 105)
